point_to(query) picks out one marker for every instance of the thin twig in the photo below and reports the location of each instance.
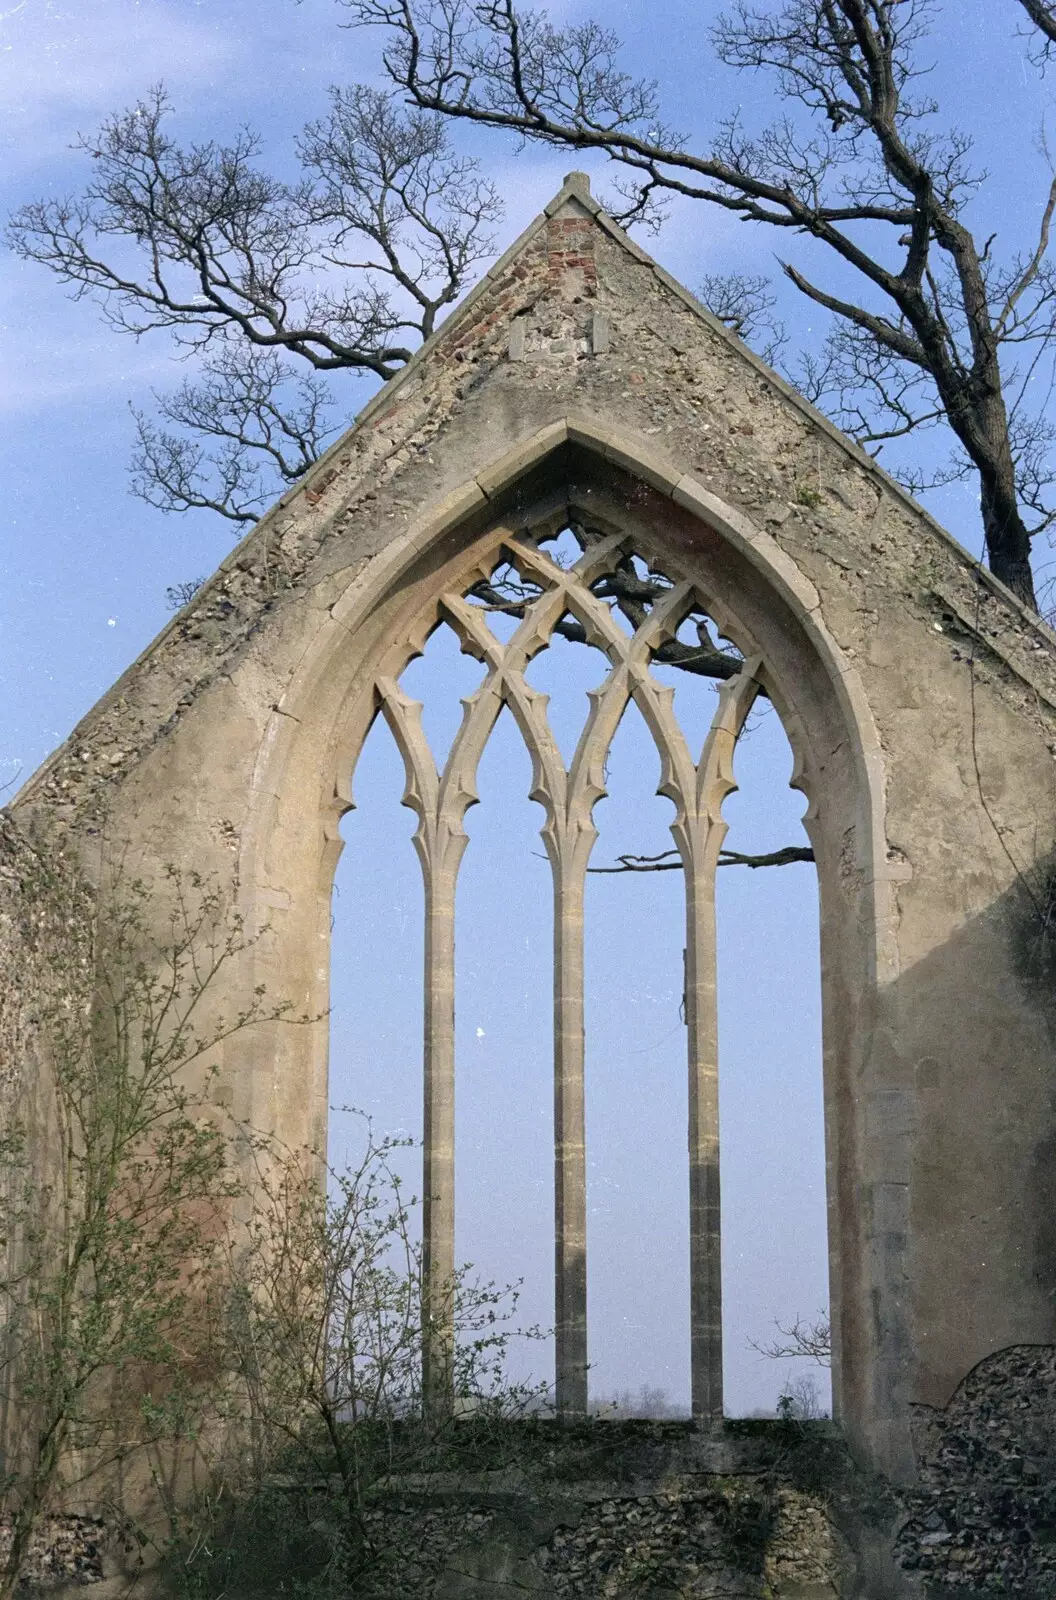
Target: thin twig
(671, 860)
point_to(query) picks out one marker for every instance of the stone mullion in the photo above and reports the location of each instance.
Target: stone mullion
(570, 1172)
(705, 1246)
(440, 842)
(438, 1201)
(568, 847)
(570, 836)
(699, 834)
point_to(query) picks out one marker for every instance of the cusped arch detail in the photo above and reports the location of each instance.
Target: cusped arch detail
(335, 654)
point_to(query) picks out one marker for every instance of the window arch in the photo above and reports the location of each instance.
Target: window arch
(621, 601)
(760, 600)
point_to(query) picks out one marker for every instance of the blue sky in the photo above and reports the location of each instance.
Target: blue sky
(84, 570)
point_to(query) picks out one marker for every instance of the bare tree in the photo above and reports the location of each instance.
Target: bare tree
(345, 270)
(800, 1400)
(649, 1400)
(349, 267)
(943, 328)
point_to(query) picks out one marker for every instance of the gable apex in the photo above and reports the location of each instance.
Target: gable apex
(575, 320)
(575, 191)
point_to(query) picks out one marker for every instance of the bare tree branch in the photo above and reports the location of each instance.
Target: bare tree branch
(180, 594)
(226, 441)
(389, 177)
(1042, 14)
(671, 860)
(744, 302)
(1030, 272)
(874, 182)
(812, 1340)
(631, 595)
(345, 270)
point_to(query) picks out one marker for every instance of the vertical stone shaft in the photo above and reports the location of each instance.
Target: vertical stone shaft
(438, 1201)
(704, 1199)
(570, 1172)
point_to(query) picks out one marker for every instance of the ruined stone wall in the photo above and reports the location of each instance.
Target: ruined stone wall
(44, 912)
(681, 382)
(667, 372)
(66, 1552)
(692, 1537)
(984, 1516)
(601, 1511)
(229, 747)
(645, 1511)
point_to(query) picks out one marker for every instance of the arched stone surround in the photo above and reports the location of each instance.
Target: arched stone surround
(771, 611)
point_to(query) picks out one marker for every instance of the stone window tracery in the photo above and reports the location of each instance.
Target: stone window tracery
(597, 589)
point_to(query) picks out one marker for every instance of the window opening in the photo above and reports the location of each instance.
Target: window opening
(636, 1105)
(563, 547)
(771, 1118)
(566, 674)
(439, 680)
(376, 1005)
(578, 586)
(504, 1139)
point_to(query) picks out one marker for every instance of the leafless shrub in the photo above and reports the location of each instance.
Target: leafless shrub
(801, 1339)
(326, 1337)
(117, 1193)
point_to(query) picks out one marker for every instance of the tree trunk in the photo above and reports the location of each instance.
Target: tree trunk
(1007, 539)
(978, 417)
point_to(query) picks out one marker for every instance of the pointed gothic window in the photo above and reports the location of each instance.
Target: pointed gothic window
(500, 634)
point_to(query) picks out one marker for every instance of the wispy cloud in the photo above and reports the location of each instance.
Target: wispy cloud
(55, 349)
(65, 63)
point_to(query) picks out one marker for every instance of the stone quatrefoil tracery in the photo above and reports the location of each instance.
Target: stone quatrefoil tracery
(547, 594)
